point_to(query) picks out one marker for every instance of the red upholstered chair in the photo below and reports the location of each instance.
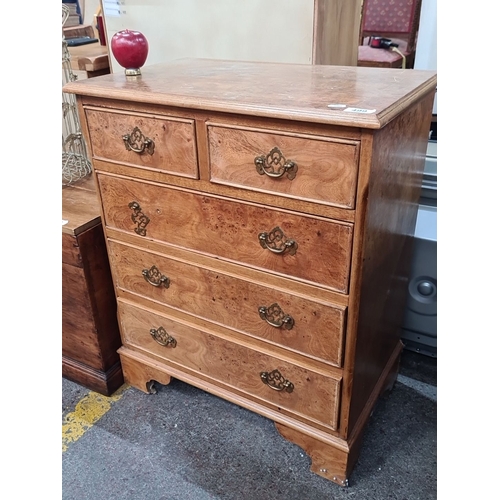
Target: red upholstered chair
(397, 20)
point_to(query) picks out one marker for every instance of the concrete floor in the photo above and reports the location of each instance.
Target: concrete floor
(183, 443)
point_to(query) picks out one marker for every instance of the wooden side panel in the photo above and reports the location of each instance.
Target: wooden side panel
(79, 334)
(99, 282)
(230, 230)
(389, 216)
(90, 328)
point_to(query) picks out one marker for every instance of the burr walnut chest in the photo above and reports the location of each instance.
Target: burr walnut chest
(258, 220)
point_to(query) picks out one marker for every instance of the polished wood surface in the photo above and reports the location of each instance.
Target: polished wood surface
(326, 170)
(80, 207)
(388, 223)
(90, 335)
(91, 57)
(314, 397)
(189, 285)
(287, 91)
(216, 227)
(174, 144)
(351, 218)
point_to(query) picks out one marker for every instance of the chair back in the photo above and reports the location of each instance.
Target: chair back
(392, 18)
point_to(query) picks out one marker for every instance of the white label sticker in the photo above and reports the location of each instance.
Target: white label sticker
(337, 105)
(64, 222)
(360, 110)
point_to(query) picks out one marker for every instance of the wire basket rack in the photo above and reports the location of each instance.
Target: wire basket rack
(75, 162)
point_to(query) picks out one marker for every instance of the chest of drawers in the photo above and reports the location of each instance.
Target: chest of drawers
(258, 221)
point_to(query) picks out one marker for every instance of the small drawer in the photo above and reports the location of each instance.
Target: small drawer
(293, 389)
(156, 142)
(271, 240)
(312, 168)
(295, 323)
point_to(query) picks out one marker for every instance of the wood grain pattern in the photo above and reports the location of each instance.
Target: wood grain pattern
(146, 369)
(336, 33)
(80, 207)
(352, 214)
(234, 269)
(288, 91)
(77, 317)
(70, 251)
(140, 375)
(90, 335)
(318, 329)
(314, 397)
(226, 191)
(326, 168)
(230, 230)
(330, 462)
(392, 202)
(174, 140)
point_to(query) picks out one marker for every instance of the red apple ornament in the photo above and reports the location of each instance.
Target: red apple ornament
(130, 49)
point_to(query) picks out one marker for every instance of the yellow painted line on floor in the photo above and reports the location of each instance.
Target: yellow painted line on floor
(87, 412)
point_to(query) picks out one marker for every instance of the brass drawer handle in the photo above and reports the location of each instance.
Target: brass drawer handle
(275, 165)
(276, 242)
(162, 337)
(154, 277)
(275, 316)
(139, 218)
(276, 381)
(138, 142)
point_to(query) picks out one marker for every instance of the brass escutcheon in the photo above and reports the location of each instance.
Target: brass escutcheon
(154, 277)
(276, 242)
(275, 316)
(276, 381)
(139, 218)
(162, 337)
(275, 165)
(138, 142)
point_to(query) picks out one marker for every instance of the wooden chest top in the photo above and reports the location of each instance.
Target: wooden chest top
(336, 95)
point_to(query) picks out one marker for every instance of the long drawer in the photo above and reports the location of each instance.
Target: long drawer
(291, 389)
(304, 167)
(295, 323)
(163, 143)
(275, 241)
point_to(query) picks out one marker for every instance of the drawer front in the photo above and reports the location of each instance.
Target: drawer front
(309, 168)
(314, 396)
(295, 323)
(155, 142)
(309, 248)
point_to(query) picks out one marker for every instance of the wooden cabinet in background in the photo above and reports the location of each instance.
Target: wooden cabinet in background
(90, 335)
(259, 222)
